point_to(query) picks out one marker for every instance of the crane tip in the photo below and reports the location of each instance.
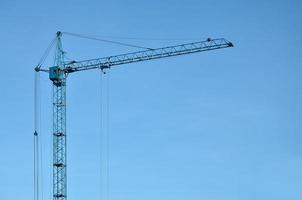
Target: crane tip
(59, 33)
(37, 68)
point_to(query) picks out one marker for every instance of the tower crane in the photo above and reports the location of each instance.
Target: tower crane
(58, 75)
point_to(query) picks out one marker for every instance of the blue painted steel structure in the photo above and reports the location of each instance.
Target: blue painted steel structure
(59, 124)
(58, 74)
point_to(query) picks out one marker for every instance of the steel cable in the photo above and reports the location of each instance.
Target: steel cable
(36, 140)
(104, 136)
(107, 41)
(108, 135)
(46, 52)
(101, 134)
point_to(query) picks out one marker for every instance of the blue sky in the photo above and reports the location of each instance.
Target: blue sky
(216, 125)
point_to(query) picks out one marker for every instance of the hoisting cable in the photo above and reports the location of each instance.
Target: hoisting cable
(108, 134)
(107, 41)
(36, 139)
(101, 135)
(36, 171)
(40, 139)
(38, 156)
(46, 52)
(104, 136)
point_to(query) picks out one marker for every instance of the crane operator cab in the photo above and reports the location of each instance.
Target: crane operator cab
(56, 75)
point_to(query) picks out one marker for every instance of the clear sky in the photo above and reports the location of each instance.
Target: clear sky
(219, 125)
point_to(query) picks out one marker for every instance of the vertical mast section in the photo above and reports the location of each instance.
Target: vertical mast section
(58, 77)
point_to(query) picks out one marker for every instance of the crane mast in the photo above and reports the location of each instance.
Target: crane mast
(59, 128)
(58, 74)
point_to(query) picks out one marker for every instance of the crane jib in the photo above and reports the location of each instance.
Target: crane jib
(56, 73)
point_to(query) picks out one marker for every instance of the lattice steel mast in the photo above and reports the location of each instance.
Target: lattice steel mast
(59, 126)
(59, 72)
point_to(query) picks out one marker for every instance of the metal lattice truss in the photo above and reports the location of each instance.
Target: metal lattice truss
(107, 62)
(59, 130)
(59, 142)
